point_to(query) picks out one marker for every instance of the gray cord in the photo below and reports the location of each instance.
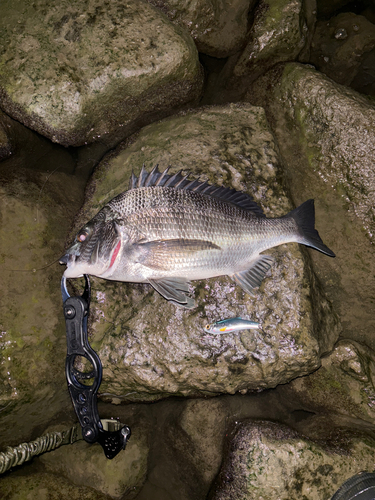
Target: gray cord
(26, 451)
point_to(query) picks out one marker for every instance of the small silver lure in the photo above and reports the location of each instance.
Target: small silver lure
(230, 325)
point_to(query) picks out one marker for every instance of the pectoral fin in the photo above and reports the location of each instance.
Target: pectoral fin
(173, 289)
(158, 254)
(253, 277)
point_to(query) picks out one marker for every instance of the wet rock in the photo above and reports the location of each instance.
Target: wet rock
(326, 137)
(197, 436)
(35, 212)
(218, 28)
(20, 486)
(336, 126)
(327, 9)
(266, 460)
(85, 465)
(6, 146)
(84, 72)
(344, 384)
(281, 30)
(341, 47)
(279, 33)
(151, 349)
(187, 448)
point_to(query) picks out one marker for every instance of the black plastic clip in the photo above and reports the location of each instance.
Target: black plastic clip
(83, 371)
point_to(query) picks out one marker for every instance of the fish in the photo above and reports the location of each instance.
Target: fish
(230, 325)
(167, 230)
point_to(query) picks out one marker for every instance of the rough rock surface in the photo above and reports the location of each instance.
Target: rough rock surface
(187, 448)
(92, 72)
(267, 460)
(340, 48)
(218, 28)
(337, 127)
(344, 384)
(325, 132)
(281, 31)
(19, 486)
(150, 348)
(6, 146)
(35, 213)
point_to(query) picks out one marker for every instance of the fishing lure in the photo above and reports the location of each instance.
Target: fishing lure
(230, 325)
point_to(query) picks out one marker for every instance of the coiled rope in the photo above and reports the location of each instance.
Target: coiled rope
(26, 451)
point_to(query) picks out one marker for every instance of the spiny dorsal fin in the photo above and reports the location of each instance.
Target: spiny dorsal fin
(179, 181)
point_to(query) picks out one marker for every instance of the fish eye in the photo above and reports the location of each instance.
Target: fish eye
(207, 327)
(82, 235)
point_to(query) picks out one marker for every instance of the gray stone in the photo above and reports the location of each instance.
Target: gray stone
(201, 429)
(267, 460)
(279, 33)
(219, 28)
(6, 146)
(35, 213)
(187, 448)
(44, 486)
(340, 46)
(150, 348)
(344, 384)
(85, 72)
(326, 137)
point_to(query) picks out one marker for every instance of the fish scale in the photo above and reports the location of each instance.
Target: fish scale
(167, 230)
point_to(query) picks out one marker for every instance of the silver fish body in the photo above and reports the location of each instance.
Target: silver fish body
(230, 325)
(167, 230)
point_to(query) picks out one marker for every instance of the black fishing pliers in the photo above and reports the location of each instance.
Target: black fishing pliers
(76, 311)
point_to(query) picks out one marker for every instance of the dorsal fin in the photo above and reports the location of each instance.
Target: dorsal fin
(179, 181)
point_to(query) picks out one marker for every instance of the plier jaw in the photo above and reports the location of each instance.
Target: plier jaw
(83, 385)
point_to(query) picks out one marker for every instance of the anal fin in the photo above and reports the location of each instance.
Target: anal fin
(252, 278)
(174, 290)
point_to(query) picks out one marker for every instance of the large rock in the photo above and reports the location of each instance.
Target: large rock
(341, 48)
(35, 212)
(187, 449)
(84, 72)
(326, 137)
(6, 143)
(150, 348)
(344, 384)
(21, 486)
(281, 31)
(267, 460)
(219, 28)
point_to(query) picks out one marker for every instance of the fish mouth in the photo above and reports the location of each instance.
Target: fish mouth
(65, 259)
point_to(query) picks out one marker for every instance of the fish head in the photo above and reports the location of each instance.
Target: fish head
(96, 247)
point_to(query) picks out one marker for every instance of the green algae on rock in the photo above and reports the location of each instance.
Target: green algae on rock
(281, 31)
(336, 128)
(34, 218)
(218, 28)
(343, 385)
(83, 72)
(151, 350)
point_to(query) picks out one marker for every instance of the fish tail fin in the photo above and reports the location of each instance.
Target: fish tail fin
(304, 216)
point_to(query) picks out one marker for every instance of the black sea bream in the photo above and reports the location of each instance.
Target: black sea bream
(167, 230)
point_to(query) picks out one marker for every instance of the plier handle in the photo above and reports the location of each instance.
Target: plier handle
(83, 385)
